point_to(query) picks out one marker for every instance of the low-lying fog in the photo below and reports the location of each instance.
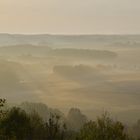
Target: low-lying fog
(93, 73)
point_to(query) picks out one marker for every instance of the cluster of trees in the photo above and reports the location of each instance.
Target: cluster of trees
(16, 124)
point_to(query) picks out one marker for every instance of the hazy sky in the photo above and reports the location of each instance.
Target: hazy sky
(70, 16)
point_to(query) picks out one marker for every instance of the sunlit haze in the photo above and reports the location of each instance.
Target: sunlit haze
(70, 16)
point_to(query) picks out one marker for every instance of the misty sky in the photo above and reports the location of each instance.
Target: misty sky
(70, 16)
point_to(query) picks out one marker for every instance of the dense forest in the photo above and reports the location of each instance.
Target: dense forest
(17, 124)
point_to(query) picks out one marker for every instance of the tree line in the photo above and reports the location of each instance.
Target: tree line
(16, 124)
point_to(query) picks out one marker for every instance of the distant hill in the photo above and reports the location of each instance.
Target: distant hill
(69, 40)
(34, 50)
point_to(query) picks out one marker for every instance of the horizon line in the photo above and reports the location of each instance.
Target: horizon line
(64, 34)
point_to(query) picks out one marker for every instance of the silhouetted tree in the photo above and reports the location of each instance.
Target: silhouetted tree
(55, 130)
(37, 127)
(16, 125)
(2, 103)
(103, 129)
(136, 130)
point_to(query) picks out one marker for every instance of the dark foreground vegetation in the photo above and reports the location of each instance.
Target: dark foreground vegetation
(16, 124)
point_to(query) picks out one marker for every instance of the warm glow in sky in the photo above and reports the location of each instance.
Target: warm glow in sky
(70, 16)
